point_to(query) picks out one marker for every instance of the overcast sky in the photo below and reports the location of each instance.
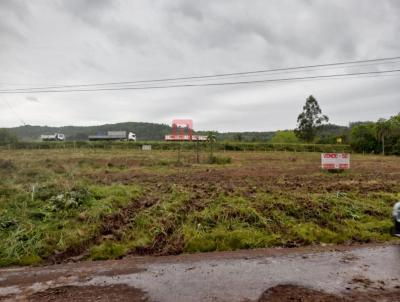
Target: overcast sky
(81, 41)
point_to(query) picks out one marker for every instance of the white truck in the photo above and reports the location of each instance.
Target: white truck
(114, 136)
(52, 137)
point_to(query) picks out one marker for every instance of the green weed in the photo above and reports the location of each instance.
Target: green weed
(108, 250)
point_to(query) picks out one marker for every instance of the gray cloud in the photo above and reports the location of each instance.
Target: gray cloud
(89, 11)
(13, 16)
(16, 8)
(89, 41)
(32, 99)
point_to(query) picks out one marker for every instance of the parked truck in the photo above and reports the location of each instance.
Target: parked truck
(52, 137)
(114, 136)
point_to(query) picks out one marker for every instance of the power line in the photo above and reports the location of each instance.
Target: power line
(13, 111)
(342, 75)
(244, 73)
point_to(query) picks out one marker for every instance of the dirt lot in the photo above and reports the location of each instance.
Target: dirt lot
(266, 171)
(59, 205)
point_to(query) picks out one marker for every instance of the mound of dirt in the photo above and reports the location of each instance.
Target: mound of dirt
(294, 293)
(90, 293)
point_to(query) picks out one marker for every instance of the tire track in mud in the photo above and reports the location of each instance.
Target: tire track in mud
(112, 227)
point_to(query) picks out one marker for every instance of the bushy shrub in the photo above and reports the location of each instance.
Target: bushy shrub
(7, 138)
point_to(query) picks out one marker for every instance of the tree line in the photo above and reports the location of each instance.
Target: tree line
(382, 136)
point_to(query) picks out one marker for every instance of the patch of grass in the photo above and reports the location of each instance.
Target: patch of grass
(228, 223)
(236, 222)
(115, 195)
(288, 220)
(29, 260)
(108, 250)
(225, 239)
(34, 228)
(311, 233)
(160, 226)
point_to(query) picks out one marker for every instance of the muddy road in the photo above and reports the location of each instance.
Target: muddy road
(331, 273)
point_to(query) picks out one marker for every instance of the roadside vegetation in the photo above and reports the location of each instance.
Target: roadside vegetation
(187, 146)
(312, 134)
(104, 204)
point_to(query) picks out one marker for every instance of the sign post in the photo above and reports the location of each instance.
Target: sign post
(335, 161)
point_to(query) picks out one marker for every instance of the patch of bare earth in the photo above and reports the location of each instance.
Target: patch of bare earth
(90, 293)
(264, 177)
(294, 293)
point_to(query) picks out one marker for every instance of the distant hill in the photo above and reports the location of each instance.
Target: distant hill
(144, 131)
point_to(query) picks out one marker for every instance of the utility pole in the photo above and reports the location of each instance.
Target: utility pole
(179, 154)
(197, 151)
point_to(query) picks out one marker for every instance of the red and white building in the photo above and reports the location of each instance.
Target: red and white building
(182, 130)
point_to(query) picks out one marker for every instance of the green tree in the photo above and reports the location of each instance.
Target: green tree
(211, 139)
(238, 137)
(329, 133)
(363, 138)
(7, 138)
(285, 137)
(382, 128)
(392, 139)
(309, 120)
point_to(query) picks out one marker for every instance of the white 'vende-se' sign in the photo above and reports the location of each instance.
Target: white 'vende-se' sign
(331, 161)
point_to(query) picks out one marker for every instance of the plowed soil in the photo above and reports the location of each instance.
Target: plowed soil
(265, 172)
